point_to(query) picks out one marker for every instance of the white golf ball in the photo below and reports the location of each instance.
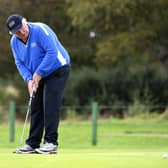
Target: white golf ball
(165, 156)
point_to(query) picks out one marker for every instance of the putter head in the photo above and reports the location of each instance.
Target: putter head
(17, 151)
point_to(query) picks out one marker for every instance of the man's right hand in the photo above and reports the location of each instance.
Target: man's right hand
(31, 87)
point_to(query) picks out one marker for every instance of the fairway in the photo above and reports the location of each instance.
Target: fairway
(84, 158)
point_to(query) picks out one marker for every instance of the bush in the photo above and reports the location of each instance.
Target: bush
(124, 84)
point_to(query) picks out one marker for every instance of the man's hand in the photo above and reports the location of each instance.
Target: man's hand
(36, 80)
(34, 83)
(30, 86)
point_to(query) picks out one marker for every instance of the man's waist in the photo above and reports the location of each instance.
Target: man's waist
(57, 71)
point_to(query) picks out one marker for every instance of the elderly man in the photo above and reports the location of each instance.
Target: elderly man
(44, 64)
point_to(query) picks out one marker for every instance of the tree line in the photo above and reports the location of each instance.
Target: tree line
(115, 48)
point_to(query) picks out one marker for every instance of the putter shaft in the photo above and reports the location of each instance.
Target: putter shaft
(27, 114)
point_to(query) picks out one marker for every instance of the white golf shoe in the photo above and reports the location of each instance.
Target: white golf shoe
(47, 148)
(26, 149)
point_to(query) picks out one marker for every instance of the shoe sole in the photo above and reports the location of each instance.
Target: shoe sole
(38, 151)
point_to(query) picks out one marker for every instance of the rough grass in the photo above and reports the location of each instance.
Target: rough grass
(112, 134)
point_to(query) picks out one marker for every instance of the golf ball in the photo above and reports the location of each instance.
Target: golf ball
(165, 156)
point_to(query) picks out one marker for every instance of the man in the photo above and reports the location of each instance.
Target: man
(44, 64)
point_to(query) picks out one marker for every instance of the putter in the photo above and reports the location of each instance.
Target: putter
(27, 114)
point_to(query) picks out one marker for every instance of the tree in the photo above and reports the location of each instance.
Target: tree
(127, 30)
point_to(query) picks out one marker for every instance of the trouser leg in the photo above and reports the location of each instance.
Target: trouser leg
(53, 93)
(36, 119)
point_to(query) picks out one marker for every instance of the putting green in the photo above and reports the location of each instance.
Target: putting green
(84, 159)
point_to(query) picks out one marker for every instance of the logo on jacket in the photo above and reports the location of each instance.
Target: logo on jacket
(33, 44)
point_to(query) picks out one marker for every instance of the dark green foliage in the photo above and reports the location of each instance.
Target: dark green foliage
(116, 67)
(121, 84)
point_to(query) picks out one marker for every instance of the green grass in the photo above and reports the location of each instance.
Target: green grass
(112, 134)
(126, 143)
(83, 159)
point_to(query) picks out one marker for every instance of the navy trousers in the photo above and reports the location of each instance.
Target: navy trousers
(45, 108)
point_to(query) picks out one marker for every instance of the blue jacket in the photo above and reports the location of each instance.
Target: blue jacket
(42, 54)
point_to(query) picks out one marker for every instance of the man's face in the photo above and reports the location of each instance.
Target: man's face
(23, 32)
